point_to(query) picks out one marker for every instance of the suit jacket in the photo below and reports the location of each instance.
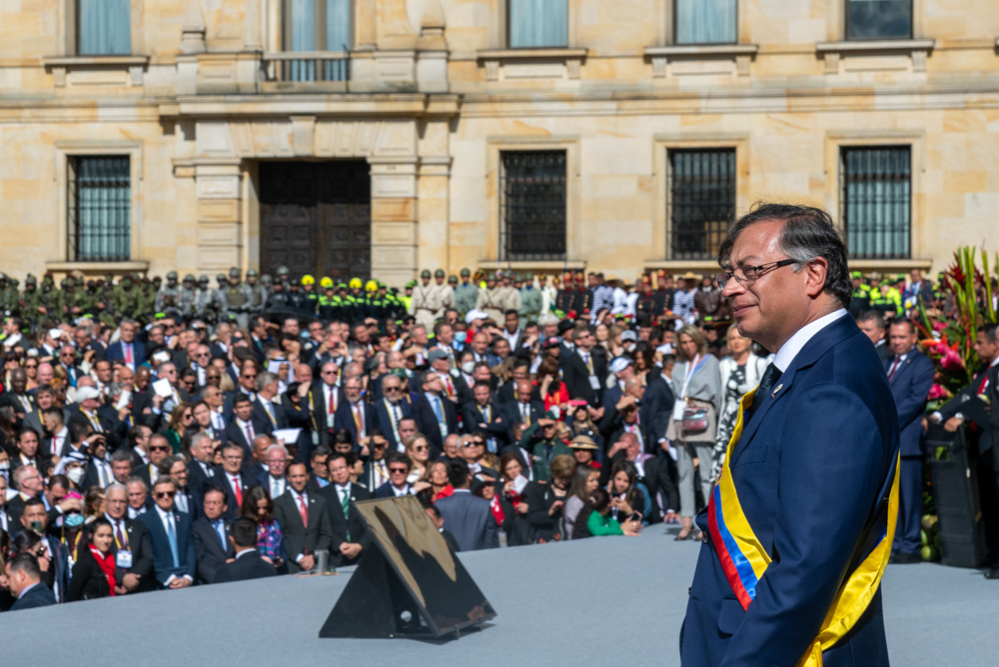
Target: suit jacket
(576, 376)
(236, 434)
(384, 421)
(505, 393)
(320, 410)
(426, 422)
(247, 566)
(341, 526)
(10, 399)
(38, 596)
(832, 395)
(187, 558)
(137, 539)
(261, 420)
(116, 351)
(211, 554)
(659, 399)
(197, 478)
(300, 539)
(910, 385)
(469, 519)
(472, 414)
(386, 491)
(223, 482)
(344, 418)
(511, 413)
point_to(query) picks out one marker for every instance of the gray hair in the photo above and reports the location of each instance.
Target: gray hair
(116, 486)
(137, 480)
(264, 379)
(116, 388)
(280, 448)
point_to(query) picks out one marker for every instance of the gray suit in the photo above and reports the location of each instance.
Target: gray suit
(469, 519)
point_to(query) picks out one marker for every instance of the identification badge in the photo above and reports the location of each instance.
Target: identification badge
(594, 383)
(329, 421)
(315, 438)
(123, 559)
(678, 408)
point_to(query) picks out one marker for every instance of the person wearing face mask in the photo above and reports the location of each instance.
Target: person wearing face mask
(74, 466)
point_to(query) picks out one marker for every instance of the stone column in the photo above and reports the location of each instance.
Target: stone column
(393, 219)
(218, 184)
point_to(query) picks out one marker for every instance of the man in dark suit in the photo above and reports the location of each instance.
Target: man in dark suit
(327, 394)
(349, 537)
(159, 449)
(399, 466)
(354, 414)
(267, 415)
(436, 417)
(523, 409)
(391, 409)
(230, 478)
(17, 398)
(174, 558)
(242, 430)
(585, 370)
(25, 583)
(247, 563)
(455, 387)
(134, 568)
(211, 536)
(304, 521)
(467, 517)
(274, 480)
(483, 415)
(508, 392)
(129, 350)
(814, 510)
(200, 470)
(910, 374)
(873, 326)
(659, 400)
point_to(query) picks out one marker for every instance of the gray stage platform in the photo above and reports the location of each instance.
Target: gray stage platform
(601, 601)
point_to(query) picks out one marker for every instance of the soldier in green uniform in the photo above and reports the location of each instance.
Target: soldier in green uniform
(860, 300)
(32, 309)
(187, 290)
(466, 294)
(168, 296)
(71, 300)
(128, 301)
(357, 302)
(8, 296)
(51, 297)
(530, 300)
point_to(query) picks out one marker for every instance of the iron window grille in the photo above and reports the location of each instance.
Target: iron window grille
(878, 19)
(876, 201)
(533, 205)
(700, 201)
(99, 201)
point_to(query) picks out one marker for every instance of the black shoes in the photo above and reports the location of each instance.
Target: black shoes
(905, 558)
(992, 574)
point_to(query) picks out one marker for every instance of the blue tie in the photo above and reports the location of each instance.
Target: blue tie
(437, 409)
(220, 529)
(172, 536)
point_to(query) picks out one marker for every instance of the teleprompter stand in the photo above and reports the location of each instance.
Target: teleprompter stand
(400, 589)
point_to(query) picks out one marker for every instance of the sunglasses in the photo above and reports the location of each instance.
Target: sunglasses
(165, 494)
(421, 449)
(247, 375)
(159, 448)
(401, 471)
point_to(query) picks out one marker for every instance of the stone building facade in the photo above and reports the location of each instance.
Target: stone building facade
(612, 135)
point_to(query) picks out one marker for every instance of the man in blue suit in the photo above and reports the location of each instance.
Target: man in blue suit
(129, 350)
(25, 579)
(467, 517)
(174, 555)
(812, 467)
(910, 374)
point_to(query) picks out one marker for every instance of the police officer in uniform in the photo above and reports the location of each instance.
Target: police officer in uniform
(309, 294)
(424, 304)
(490, 299)
(209, 304)
(860, 300)
(168, 296)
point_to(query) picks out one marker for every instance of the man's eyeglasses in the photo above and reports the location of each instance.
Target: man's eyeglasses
(165, 494)
(388, 389)
(401, 471)
(749, 274)
(159, 448)
(249, 375)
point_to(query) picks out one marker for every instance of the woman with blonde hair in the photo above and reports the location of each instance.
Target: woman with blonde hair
(693, 424)
(181, 419)
(418, 451)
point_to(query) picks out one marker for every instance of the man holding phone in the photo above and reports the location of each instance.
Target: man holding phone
(52, 554)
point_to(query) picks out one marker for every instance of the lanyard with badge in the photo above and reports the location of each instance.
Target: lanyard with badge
(692, 368)
(594, 381)
(123, 558)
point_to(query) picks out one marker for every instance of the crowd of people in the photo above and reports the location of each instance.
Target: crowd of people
(156, 436)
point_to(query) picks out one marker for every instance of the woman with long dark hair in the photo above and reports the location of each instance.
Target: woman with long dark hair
(258, 507)
(94, 570)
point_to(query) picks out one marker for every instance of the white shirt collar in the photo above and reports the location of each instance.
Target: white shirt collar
(244, 552)
(163, 514)
(789, 350)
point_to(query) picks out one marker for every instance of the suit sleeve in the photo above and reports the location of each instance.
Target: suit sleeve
(142, 564)
(492, 532)
(81, 573)
(206, 570)
(191, 568)
(913, 405)
(325, 537)
(830, 465)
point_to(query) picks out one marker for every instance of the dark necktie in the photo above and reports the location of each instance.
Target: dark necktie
(770, 377)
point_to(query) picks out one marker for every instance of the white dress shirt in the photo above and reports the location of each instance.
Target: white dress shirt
(167, 519)
(790, 349)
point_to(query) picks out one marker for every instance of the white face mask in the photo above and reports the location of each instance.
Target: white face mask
(5, 465)
(468, 367)
(76, 475)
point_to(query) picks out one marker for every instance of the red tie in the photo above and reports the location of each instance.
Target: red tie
(237, 491)
(894, 367)
(332, 408)
(304, 511)
(128, 354)
(985, 381)
(118, 535)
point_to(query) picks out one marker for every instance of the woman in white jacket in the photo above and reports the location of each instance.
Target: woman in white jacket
(740, 371)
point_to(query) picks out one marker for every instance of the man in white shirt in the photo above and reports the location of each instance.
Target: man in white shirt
(137, 494)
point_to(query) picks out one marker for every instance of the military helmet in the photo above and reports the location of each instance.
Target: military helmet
(221, 279)
(465, 273)
(425, 273)
(371, 286)
(189, 278)
(490, 277)
(203, 279)
(282, 271)
(172, 275)
(30, 280)
(251, 273)
(266, 279)
(439, 273)
(326, 282)
(91, 284)
(234, 272)
(64, 283)
(355, 283)
(3, 276)
(308, 280)
(14, 282)
(452, 279)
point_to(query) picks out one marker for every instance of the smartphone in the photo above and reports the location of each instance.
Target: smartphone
(37, 527)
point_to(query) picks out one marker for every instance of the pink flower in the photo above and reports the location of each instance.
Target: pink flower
(939, 326)
(951, 360)
(937, 392)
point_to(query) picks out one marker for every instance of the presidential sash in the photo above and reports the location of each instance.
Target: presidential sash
(744, 560)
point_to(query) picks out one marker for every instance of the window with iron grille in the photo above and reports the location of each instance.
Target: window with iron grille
(875, 200)
(878, 19)
(99, 218)
(701, 200)
(533, 205)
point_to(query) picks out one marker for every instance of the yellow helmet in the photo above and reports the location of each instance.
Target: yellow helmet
(326, 283)
(355, 283)
(308, 280)
(371, 286)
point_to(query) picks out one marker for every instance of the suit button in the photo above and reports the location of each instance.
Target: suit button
(704, 537)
